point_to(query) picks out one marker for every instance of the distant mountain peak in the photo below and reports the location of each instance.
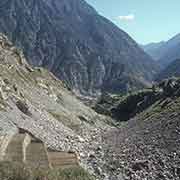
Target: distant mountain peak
(165, 52)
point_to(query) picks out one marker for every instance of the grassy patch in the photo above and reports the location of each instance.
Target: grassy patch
(70, 174)
(15, 171)
(158, 109)
(67, 121)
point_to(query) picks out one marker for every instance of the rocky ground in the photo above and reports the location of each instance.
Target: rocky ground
(147, 146)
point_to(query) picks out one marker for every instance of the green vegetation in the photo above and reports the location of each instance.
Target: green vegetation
(161, 109)
(15, 171)
(122, 108)
(67, 121)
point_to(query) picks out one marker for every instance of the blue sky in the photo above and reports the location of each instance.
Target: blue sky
(145, 20)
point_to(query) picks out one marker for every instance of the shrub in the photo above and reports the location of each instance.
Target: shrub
(15, 171)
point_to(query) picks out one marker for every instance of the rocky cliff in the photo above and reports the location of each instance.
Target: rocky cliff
(78, 45)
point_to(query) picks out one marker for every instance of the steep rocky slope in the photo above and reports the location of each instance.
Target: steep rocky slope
(172, 70)
(79, 46)
(34, 100)
(147, 146)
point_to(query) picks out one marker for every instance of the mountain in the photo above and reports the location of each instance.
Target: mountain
(75, 43)
(172, 70)
(154, 49)
(164, 52)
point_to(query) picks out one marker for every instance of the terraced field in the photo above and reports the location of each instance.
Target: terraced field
(14, 151)
(23, 148)
(36, 155)
(62, 159)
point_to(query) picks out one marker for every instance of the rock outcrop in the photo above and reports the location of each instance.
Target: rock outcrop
(78, 45)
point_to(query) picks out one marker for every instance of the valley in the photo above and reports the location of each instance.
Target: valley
(81, 100)
(34, 100)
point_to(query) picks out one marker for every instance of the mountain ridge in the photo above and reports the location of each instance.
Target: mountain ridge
(164, 52)
(153, 49)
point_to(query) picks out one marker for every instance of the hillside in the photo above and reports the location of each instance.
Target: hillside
(79, 46)
(34, 100)
(146, 144)
(172, 70)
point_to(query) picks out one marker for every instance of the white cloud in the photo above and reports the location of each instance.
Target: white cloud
(129, 17)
